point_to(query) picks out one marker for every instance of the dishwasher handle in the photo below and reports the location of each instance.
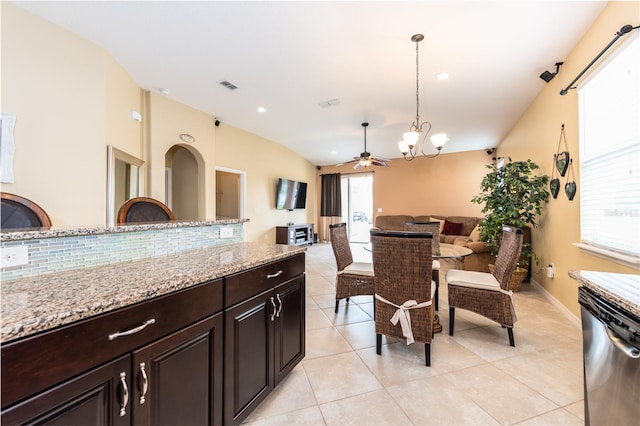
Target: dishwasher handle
(630, 350)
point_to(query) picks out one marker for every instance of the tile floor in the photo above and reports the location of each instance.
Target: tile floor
(475, 377)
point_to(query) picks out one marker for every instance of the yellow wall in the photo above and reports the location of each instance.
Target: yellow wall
(264, 162)
(440, 186)
(55, 83)
(536, 136)
(72, 99)
(168, 119)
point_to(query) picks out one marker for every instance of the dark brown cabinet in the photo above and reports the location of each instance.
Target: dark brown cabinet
(264, 334)
(162, 368)
(98, 397)
(204, 355)
(178, 379)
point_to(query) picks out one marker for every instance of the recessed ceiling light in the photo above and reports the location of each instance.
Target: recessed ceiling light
(261, 109)
(334, 152)
(443, 76)
(164, 91)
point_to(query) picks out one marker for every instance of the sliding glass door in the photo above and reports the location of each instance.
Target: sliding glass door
(357, 205)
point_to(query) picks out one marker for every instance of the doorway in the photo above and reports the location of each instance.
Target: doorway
(230, 190)
(357, 205)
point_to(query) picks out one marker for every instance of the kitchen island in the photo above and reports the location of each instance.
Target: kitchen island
(199, 336)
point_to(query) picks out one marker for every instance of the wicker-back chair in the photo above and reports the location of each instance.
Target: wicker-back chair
(488, 294)
(403, 279)
(434, 229)
(353, 278)
(21, 213)
(144, 210)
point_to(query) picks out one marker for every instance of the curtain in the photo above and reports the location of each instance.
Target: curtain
(330, 204)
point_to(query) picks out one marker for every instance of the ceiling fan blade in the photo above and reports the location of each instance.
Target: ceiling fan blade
(379, 163)
(346, 162)
(357, 166)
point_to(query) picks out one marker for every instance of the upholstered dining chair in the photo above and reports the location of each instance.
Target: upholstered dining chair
(434, 229)
(353, 278)
(144, 210)
(403, 287)
(21, 213)
(488, 294)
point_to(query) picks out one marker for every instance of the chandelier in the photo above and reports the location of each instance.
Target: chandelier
(411, 139)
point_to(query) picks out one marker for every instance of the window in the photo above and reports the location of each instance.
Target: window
(609, 111)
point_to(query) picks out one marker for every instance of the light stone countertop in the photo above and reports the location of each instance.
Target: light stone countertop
(35, 304)
(621, 289)
(55, 232)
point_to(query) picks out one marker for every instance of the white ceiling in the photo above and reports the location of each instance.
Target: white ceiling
(290, 56)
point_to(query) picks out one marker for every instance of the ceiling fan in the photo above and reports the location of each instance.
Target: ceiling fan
(366, 159)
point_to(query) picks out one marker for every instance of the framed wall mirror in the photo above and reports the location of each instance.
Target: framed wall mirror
(124, 180)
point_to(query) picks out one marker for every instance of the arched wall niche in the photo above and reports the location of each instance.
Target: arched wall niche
(185, 182)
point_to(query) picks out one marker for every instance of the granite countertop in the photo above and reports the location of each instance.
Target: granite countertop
(35, 304)
(622, 289)
(55, 232)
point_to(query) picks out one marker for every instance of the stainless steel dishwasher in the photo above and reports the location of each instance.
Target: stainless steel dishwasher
(611, 348)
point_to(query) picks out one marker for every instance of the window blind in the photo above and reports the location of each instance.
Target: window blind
(610, 153)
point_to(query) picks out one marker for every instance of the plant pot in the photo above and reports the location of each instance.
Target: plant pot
(517, 277)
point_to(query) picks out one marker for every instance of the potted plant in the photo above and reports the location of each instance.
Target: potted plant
(512, 195)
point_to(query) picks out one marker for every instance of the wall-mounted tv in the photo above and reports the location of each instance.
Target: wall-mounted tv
(290, 194)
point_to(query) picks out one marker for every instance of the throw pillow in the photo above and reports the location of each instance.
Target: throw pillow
(475, 234)
(451, 228)
(433, 219)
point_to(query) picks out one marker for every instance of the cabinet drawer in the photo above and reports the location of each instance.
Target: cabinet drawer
(53, 356)
(244, 285)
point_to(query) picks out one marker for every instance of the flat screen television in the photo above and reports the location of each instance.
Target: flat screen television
(290, 194)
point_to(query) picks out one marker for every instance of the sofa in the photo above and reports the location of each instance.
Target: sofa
(481, 257)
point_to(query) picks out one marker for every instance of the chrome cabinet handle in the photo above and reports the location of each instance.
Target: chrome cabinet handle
(273, 313)
(133, 330)
(125, 394)
(277, 274)
(279, 305)
(145, 383)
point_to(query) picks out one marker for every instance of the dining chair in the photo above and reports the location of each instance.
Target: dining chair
(434, 229)
(144, 210)
(403, 287)
(484, 293)
(21, 213)
(353, 278)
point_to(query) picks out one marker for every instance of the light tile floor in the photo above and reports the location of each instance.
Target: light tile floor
(475, 377)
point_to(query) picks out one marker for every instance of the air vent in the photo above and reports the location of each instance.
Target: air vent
(331, 102)
(228, 85)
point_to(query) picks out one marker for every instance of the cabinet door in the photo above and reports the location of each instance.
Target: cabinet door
(101, 396)
(178, 379)
(289, 326)
(248, 355)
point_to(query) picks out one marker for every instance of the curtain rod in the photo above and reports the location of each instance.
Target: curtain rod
(623, 31)
(350, 173)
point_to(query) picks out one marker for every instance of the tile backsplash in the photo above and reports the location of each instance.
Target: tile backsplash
(47, 255)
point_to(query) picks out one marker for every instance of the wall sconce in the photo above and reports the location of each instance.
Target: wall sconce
(548, 76)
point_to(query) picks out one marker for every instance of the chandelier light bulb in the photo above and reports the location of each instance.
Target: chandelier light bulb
(411, 138)
(438, 140)
(404, 147)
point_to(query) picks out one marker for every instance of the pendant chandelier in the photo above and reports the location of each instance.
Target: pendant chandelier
(411, 139)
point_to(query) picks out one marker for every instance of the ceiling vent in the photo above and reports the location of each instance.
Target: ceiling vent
(331, 102)
(228, 85)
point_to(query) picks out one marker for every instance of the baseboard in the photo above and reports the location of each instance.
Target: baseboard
(555, 302)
